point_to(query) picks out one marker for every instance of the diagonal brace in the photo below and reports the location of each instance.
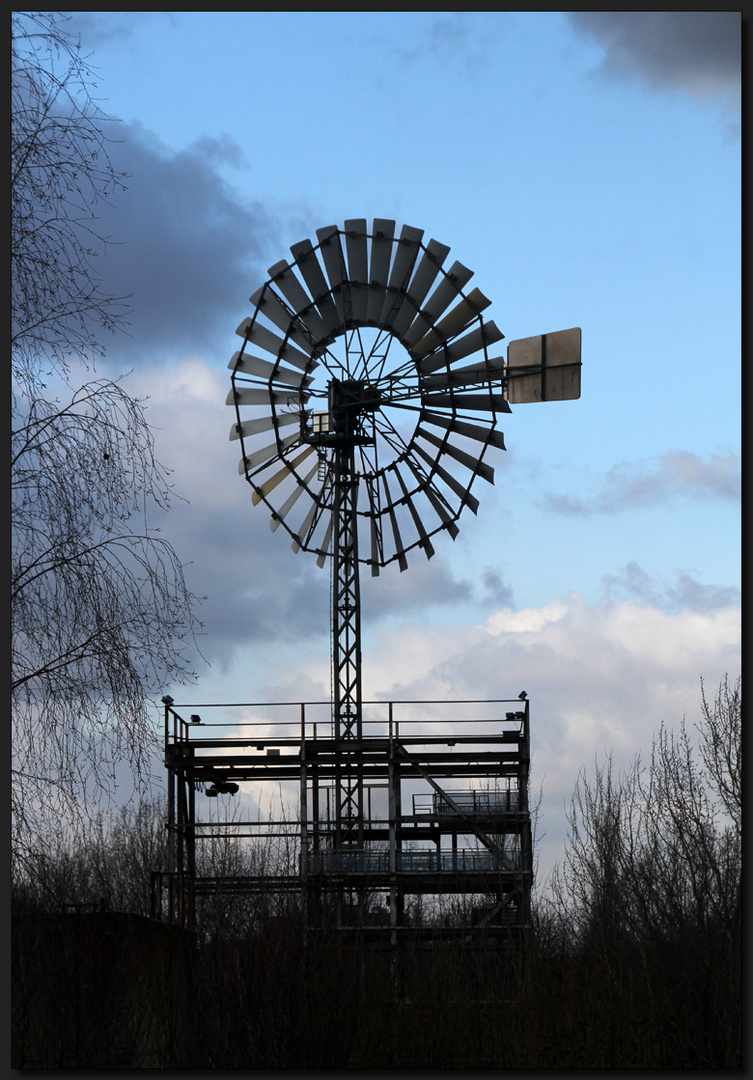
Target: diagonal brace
(482, 836)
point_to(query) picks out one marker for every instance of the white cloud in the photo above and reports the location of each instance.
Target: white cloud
(600, 678)
(530, 620)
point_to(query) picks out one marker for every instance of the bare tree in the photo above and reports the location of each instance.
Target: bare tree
(659, 846)
(647, 904)
(588, 888)
(60, 174)
(105, 862)
(722, 747)
(101, 613)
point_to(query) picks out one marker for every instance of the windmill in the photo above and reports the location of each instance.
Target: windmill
(367, 391)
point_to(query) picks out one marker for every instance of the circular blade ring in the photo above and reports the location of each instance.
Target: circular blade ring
(357, 331)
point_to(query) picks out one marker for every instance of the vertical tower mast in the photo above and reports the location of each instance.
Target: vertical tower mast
(346, 650)
(350, 401)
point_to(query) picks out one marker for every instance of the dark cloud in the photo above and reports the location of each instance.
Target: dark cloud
(497, 593)
(187, 247)
(422, 587)
(698, 52)
(687, 593)
(258, 593)
(634, 583)
(271, 596)
(275, 596)
(677, 474)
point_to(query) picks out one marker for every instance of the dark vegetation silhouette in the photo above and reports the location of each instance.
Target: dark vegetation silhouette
(634, 959)
(101, 616)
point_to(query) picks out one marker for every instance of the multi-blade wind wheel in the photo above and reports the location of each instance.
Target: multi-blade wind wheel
(365, 341)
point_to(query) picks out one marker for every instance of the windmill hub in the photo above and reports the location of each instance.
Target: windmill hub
(349, 400)
(351, 396)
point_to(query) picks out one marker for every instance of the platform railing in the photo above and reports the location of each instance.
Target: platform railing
(504, 801)
(465, 860)
(288, 722)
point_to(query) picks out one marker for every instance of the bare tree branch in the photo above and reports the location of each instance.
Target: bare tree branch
(101, 614)
(60, 172)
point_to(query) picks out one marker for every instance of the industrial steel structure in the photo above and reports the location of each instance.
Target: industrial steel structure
(444, 813)
(379, 425)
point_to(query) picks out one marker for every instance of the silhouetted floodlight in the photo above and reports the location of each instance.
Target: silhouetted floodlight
(221, 788)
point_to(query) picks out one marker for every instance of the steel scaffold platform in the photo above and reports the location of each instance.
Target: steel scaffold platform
(445, 814)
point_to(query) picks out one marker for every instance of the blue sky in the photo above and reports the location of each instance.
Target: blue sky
(587, 169)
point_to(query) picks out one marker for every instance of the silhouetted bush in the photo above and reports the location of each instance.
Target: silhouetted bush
(634, 959)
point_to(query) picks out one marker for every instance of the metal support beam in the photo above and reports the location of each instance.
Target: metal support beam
(346, 650)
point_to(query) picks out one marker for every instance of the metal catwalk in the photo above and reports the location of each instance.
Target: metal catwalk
(445, 814)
